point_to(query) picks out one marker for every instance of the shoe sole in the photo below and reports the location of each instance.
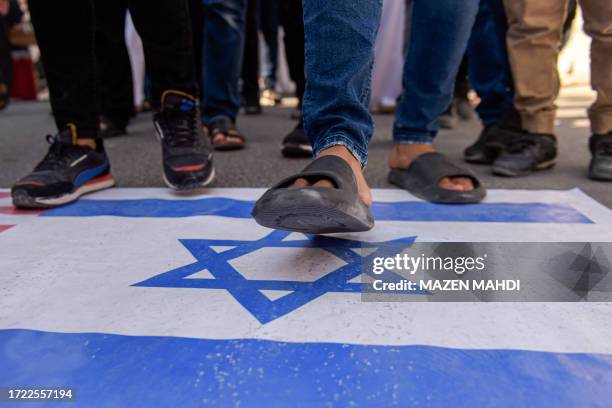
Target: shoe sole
(501, 171)
(190, 186)
(22, 200)
(310, 210)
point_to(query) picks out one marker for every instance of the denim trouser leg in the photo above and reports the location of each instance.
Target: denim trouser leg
(339, 51)
(269, 20)
(438, 40)
(489, 69)
(223, 46)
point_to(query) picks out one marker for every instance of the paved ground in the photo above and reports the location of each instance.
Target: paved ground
(136, 159)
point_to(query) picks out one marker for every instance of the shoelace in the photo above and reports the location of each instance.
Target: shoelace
(59, 154)
(183, 128)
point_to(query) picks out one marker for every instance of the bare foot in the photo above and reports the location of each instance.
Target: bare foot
(362, 186)
(403, 154)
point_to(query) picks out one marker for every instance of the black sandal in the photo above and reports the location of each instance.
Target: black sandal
(422, 179)
(225, 127)
(316, 210)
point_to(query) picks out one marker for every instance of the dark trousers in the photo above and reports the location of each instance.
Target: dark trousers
(250, 62)
(222, 50)
(114, 71)
(489, 69)
(66, 35)
(269, 23)
(292, 20)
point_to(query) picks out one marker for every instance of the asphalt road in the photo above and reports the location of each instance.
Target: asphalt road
(136, 158)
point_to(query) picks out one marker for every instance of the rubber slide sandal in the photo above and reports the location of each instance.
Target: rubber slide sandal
(316, 210)
(422, 179)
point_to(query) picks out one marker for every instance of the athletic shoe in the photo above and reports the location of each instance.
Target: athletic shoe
(67, 172)
(478, 152)
(527, 152)
(186, 151)
(601, 163)
(296, 144)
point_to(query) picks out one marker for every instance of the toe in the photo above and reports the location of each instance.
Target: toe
(449, 184)
(300, 183)
(324, 184)
(465, 182)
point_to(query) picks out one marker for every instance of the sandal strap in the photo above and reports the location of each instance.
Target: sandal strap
(330, 168)
(225, 127)
(432, 167)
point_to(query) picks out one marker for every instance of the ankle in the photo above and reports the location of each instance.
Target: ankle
(344, 153)
(91, 143)
(403, 154)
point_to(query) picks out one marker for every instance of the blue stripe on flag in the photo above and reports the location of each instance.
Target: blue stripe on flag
(389, 211)
(113, 370)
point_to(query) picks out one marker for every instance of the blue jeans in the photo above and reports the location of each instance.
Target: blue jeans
(339, 50)
(269, 23)
(488, 66)
(222, 53)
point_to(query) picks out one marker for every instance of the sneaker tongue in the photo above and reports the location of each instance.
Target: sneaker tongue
(176, 101)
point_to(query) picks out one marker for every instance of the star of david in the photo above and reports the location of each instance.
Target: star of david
(248, 291)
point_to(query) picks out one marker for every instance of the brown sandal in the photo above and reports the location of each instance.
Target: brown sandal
(223, 129)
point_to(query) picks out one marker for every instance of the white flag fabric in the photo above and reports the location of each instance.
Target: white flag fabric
(142, 297)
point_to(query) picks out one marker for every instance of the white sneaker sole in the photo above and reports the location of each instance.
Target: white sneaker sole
(90, 187)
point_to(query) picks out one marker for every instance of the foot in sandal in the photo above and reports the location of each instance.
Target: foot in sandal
(426, 174)
(330, 195)
(224, 135)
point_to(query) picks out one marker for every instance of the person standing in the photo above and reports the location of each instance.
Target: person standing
(534, 36)
(76, 162)
(331, 194)
(223, 49)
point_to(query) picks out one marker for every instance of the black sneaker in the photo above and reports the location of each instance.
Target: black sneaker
(296, 144)
(186, 151)
(67, 172)
(478, 152)
(527, 152)
(506, 130)
(601, 163)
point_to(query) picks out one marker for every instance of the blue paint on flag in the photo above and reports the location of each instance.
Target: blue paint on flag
(388, 211)
(248, 293)
(138, 371)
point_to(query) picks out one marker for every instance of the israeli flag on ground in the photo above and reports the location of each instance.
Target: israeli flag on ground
(142, 298)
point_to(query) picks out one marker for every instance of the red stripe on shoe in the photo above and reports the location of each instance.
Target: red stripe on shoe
(17, 211)
(5, 227)
(189, 168)
(99, 179)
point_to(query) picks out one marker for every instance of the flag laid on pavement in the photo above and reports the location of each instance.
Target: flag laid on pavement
(140, 297)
